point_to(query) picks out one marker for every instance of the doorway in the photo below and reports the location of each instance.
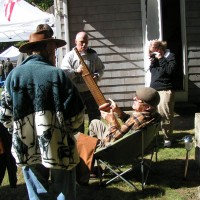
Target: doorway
(165, 20)
(171, 28)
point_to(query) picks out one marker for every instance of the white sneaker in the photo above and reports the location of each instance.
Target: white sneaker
(167, 143)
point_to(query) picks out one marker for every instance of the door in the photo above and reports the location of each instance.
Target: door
(171, 26)
(165, 20)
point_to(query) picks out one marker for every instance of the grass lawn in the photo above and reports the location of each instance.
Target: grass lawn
(166, 180)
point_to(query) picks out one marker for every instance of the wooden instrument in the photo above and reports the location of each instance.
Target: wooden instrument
(90, 82)
(92, 85)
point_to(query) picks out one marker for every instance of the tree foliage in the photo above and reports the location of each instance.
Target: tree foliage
(43, 5)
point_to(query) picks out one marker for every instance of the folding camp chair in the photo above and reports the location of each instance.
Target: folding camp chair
(132, 146)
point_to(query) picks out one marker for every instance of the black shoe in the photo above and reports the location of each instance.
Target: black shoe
(96, 172)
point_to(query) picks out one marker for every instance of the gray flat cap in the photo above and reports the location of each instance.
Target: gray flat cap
(148, 95)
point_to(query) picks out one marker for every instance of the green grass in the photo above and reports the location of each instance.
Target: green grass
(166, 180)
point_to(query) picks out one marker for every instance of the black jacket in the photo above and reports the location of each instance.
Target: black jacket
(162, 73)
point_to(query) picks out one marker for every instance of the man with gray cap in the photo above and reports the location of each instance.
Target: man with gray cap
(101, 134)
(145, 112)
(42, 110)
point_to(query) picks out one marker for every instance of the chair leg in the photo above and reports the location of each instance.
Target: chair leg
(156, 146)
(148, 169)
(99, 172)
(142, 173)
(144, 179)
(155, 150)
(118, 175)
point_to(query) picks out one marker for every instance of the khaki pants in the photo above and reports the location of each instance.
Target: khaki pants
(98, 129)
(166, 110)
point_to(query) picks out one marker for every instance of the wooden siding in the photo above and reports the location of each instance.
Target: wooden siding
(115, 31)
(193, 49)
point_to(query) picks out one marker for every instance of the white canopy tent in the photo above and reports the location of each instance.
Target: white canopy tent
(19, 19)
(12, 53)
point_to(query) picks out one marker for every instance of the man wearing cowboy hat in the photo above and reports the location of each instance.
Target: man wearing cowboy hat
(23, 56)
(42, 109)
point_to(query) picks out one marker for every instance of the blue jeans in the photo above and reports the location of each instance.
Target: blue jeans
(61, 187)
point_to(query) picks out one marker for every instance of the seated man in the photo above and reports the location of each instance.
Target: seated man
(144, 112)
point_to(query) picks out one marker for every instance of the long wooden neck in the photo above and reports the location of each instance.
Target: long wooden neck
(90, 82)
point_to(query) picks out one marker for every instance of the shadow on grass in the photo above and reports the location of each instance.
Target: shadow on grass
(165, 175)
(91, 192)
(117, 192)
(184, 122)
(170, 173)
(18, 193)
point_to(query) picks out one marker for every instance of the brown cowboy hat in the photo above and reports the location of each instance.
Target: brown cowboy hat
(38, 38)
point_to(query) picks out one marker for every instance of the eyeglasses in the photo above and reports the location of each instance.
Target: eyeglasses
(138, 100)
(155, 47)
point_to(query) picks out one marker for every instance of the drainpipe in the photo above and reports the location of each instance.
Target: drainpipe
(57, 13)
(66, 25)
(60, 7)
